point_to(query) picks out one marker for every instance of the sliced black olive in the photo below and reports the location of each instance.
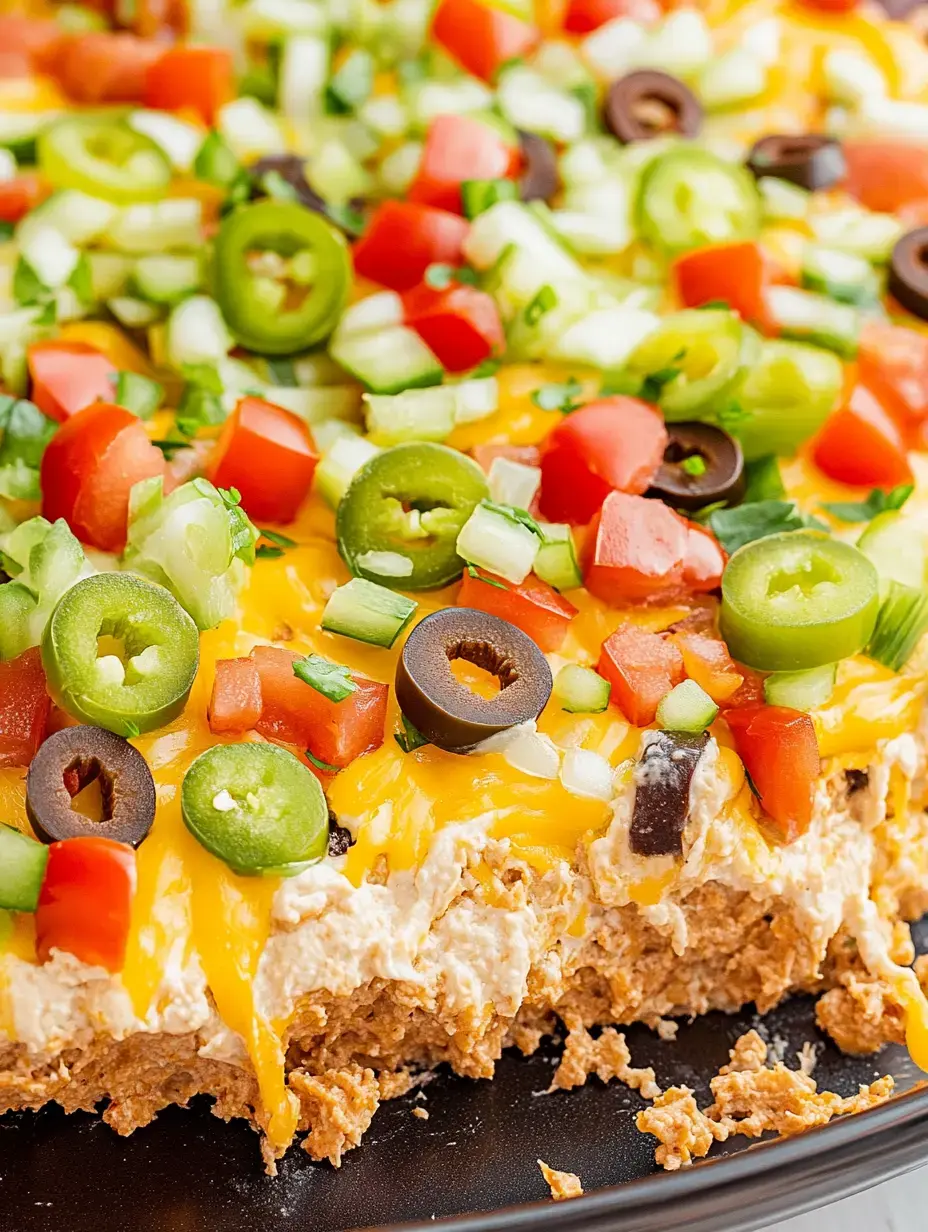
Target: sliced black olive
(539, 180)
(900, 10)
(648, 103)
(908, 272)
(662, 792)
(702, 464)
(855, 781)
(340, 838)
(292, 169)
(70, 760)
(810, 160)
(446, 712)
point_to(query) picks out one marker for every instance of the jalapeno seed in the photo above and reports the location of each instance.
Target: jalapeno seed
(539, 180)
(702, 465)
(648, 103)
(908, 272)
(446, 712)
(662, 791)
(68, 762)
(810, 160)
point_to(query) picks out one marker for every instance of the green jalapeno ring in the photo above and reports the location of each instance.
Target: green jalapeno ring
(255, 304)
(121, 653)
(411, 500)
(690, 198)
(256, 807)
(797, 600)
(104, 158)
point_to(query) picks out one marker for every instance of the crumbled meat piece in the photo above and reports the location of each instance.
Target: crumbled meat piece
(562, 1184)
(683, 1131)
(607, 1057)
(336, 1107)
(862, 1015)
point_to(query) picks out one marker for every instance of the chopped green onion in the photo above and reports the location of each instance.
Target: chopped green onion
(900, 625)
(556, 562)
(367, 612)
(332, 680)
(497, 539)
(686, 708)
(559, 396)
(541, 302)
(801, 690)
(580, 690)
(138, 394)
(479, 195)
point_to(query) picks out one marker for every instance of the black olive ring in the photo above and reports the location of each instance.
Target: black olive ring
(908, 272)
(810, 160)
(647, 104)
(719, 475)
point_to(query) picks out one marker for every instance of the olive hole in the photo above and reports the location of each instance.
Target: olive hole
(655, 114)
(91, 790)
(811, 574)
(487, 657)
(477, 679)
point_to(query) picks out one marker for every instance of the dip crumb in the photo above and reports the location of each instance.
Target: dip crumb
(684, 1133)
(666, 1029)
(563, 1185)
(607, 1057)
(421, 1113)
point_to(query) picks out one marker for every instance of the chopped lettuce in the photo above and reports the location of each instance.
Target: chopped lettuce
(43, 559)
(198, 543)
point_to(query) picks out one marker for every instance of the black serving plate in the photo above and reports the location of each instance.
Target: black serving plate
(474, 1157)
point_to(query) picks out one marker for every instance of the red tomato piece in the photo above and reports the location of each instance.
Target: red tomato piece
(703, 561)
(481, 37)
(614, 444)
(85, 904)
(642, 668)
(294, 712)
(583, 16)
(403, 239)
(459, 323)
(886, 175)
(830, 6)
(29, 42)
(235, 703)
(893, 362)
(533, 606)
(861, 444)
(89, 468)
(269, 455)
(485, 455)
(707, 661)
(635, 550)
(24, 708)
(68, 376)
(735, 273)
(780, 752)
(198, 78)
(22, 194)
(458, 148)
(101, 67)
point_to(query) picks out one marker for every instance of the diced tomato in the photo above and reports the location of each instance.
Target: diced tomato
(635, 550)
(459, 323)
(485, 455)
(27, 44)
(586, 15)
(235, 703)
(24, 707)
(614, 444)
(269, 455)
(830, 6)
(293, 711)
(88, 470)
(533, 606)
(707, 661)
(458, 148)
(641, 667)
(85, 904)
(780, 752)
(749, 693)
(736, 273)
(861, 444)
(22, 194)
(198, 78)
(101, 67)
(482, 37)
(68, 376)
(703, 561)
(893, 362)
(403, 239)
(886, 175)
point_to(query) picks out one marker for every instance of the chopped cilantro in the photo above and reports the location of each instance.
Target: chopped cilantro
(735, 527)
(877, 502)
(322, 765)
(762, 476)
(410, 738)
(474, 572)
(512, 514)
(559, 396)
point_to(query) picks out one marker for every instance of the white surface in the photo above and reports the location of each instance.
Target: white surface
(897, 1206)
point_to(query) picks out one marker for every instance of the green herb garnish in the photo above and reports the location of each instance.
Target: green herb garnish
(332, 680)
(877, 502)
(559, 396)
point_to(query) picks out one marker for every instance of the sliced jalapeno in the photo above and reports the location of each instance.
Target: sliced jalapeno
(104, 158)
(785, 396)
(257, 808)
(412, 501)
(690, 198)
(120, 653)
(797, 600)
(282, 274)
(692, 361)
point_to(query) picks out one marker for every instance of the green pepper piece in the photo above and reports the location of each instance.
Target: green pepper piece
(785, 395)
(257, 808)
(411, 500)
(797, 600)
(689, 198)
(121, 653)
(22, 868)
(690, 363)
(282, 274)
(105, 158)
